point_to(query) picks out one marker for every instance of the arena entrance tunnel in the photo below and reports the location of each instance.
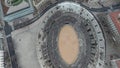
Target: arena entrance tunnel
(70, 38)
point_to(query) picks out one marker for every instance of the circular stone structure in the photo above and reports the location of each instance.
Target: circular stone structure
(68, 44)
(85, 34)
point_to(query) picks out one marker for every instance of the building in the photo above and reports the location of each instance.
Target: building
(115, 17)
(1, 52)
(115, 63)
(114, 25)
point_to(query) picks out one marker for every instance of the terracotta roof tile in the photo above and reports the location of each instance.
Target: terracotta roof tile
(114, 16)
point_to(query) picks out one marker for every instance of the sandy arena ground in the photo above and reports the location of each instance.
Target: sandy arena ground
(68, 49)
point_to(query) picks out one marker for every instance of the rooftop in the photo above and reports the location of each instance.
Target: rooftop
(115, 16)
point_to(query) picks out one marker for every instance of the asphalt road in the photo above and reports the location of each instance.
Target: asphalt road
(8, 31)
